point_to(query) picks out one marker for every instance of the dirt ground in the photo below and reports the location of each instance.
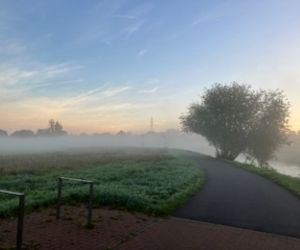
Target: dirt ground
(115, 229)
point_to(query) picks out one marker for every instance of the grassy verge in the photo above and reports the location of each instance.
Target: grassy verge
(290, 183)
(155, 184)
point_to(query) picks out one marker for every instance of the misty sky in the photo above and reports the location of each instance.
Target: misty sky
(107, 65)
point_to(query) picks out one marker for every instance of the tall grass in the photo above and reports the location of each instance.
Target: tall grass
(292, 184)
(154, 183)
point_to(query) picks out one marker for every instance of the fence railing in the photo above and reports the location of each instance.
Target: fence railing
(59, 196)
(21, 196)
(21, 207)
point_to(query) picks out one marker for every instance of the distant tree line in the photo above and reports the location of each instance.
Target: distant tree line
(3, 133)
(54, 129)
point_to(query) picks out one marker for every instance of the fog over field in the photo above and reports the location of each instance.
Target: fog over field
(286, 160)
(191, 142)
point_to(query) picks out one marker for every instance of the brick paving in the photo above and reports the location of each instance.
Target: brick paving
(122, 230)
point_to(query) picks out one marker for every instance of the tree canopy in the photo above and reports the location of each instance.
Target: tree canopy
(23, 133)
(54, 129)
(236, 119)
(3, 133)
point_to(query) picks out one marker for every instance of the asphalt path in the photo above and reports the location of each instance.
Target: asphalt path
(235, 197)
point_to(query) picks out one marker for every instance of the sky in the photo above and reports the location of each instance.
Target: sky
(107, 65)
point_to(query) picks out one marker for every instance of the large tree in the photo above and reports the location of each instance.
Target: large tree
(231, 116)
(270, 129)
(54, 129)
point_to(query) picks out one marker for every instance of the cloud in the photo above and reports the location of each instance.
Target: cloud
(17, 81)
(82, 97)
(109, 21)
(115, 91)
(56, 83)
(133, 28)
(149, 91)
(116, 107)
(142, 52)
(90, 105)
(13, 74)
(58, 69)
(94, 94)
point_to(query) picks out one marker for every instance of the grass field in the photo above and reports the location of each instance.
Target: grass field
(290, 183)
(150, 181)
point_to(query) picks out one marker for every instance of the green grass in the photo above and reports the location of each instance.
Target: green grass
(153, 183)
(292, 184)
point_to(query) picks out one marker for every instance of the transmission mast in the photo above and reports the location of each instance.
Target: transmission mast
(151, 124)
